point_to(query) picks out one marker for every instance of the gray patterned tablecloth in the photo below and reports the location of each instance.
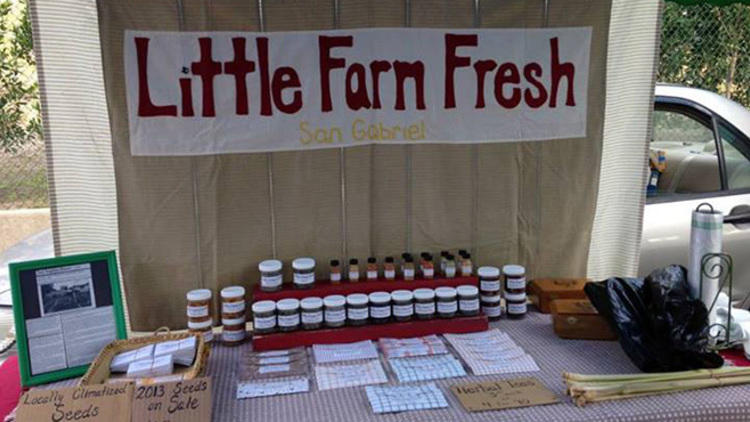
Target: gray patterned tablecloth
(535, 335)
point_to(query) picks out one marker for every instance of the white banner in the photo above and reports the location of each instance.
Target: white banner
(193, 93)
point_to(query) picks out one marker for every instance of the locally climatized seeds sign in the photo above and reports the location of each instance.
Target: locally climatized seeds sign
(191, 93)
(96, 403)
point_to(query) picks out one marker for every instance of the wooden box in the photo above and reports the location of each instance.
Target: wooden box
(578, 319)
(544, 290)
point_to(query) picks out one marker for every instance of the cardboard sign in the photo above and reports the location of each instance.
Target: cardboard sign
(106, 403)
(183, 401)
(504, 394)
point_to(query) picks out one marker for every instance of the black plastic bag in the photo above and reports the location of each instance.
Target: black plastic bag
(661, 328)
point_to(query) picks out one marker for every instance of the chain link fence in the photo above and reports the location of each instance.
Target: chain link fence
(23, 177)
(707, 47)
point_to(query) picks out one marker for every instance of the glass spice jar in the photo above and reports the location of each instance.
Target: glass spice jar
(372, 268)
(203, 328)
(304, 273)
(353, 270)
(380, 307)
(443, 260)
(403, 307)
(233, 331)
(515, 291)
(407, 268)
(424, 303)
(467, 268)
(389, 268)
(335, 312)
(489, 280)
(491, 307)
(288, 314)
(199, 305)
(428, 267)
(233, 302)
(335, 271)
(450, 266)
(312, 313)
(357, 310)
(447, 305)
(468, 300)
(270, 275)
(264, 317)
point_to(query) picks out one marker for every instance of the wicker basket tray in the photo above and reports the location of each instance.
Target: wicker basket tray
(98, 372)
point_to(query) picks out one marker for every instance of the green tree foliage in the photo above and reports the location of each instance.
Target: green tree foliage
(19, 90)
(707, 47)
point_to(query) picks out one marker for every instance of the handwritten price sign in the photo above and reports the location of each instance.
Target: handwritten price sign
(517, 392)
(183, 401)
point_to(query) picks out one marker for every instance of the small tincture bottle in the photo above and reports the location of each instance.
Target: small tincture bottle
(353, 270)
(450, 266)
(443, 260)
(467, 268)
(408, 268)
(389, 268)
(335, 271)
(372, 268)
(428, 268)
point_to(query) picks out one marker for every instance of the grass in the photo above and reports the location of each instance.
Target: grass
(23, 178)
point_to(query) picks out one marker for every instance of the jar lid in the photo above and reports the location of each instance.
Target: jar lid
(357, 299)
(233, 292)
(199, 295)
(380, 297)
(233, 321)
(445, 292)
(424, 294)
(200, 325)
(270, 266)
(487, 272)
(303, 264)
(514, 270)
(401, 295)
(311, 303)
(467, 290)
(334, 301)
(264, 306)
(491, 299)
(287, 304)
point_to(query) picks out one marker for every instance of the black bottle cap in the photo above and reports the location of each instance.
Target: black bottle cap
(353, 261)
(334, 262)
(444, 253)
(424, 254)
(450, 257)
(409, 259)
(405, 254)
(389, 259)
(467, 256)
(462, 252)
(371, 260)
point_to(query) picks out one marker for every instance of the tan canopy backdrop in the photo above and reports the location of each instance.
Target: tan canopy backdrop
(189, 222)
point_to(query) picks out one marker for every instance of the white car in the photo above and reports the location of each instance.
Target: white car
(706, 142)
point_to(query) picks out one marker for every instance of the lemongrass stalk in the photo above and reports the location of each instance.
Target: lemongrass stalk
(726, 371)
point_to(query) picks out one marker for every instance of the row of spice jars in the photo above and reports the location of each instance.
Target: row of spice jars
(233, 314)
(359, 309)
(513, 289)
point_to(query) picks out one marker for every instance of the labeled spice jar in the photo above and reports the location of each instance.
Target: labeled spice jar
(424, 303)
(304, 273)
(202, 329)
(357, 309)
(288, 314)
(468, 300)
(233, 302)
(443, 260)
(233, 331)
(335, 312)
(467, 267)
(353, 270)
(447, 305)
(372, 268)
(389, 268)
(515, 291)
(403, 305)
(491, 307)
(450, 266)
(270, 275)
(312, 313)
(428, 267)
(199, 305)
(264, 317)
(380, 307)
(335, 271)
(489, 280)
(407, 267)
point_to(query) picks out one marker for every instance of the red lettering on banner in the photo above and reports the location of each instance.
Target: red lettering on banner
(414, 70)
(559, 70)
(206, 68)
(357, 99)
(452, 42)
(328, 63)
(146, 108)
(186, 91)
(261, 43)
(240, 67)
(482, 67)
(531, 72)
(283, 78)
(377, 67)
(507, 73)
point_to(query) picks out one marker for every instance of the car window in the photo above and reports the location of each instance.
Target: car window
(736, 157)
(689, 162)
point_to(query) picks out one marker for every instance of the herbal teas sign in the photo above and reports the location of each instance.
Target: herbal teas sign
(503, 394)
(191, 93)
(180, 401)
(98, 403)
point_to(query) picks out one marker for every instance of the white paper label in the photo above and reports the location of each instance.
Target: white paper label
(232, 307)
(403, 310)
(289, 320)
(492, 311)
(380, 311)
(447, 307)
(408, 272)
(335, 315)
(353, 275)
(357, 314)
(274, 360)
(424, 308)
(372, 275)
(306, 278)
(390, 274)
(233, 335)
(466, 270)
(515, 283)
(312, 317)
(197, 311)
(428, 272)
(469, 305)
(267, 369)
(516, 297)
(489, 285)
(264, 323)
(335, 276)
(270, 281)
(208, 336)
(516, 308)
(450, 271)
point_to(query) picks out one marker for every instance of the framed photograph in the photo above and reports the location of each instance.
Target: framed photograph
(66, 310)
